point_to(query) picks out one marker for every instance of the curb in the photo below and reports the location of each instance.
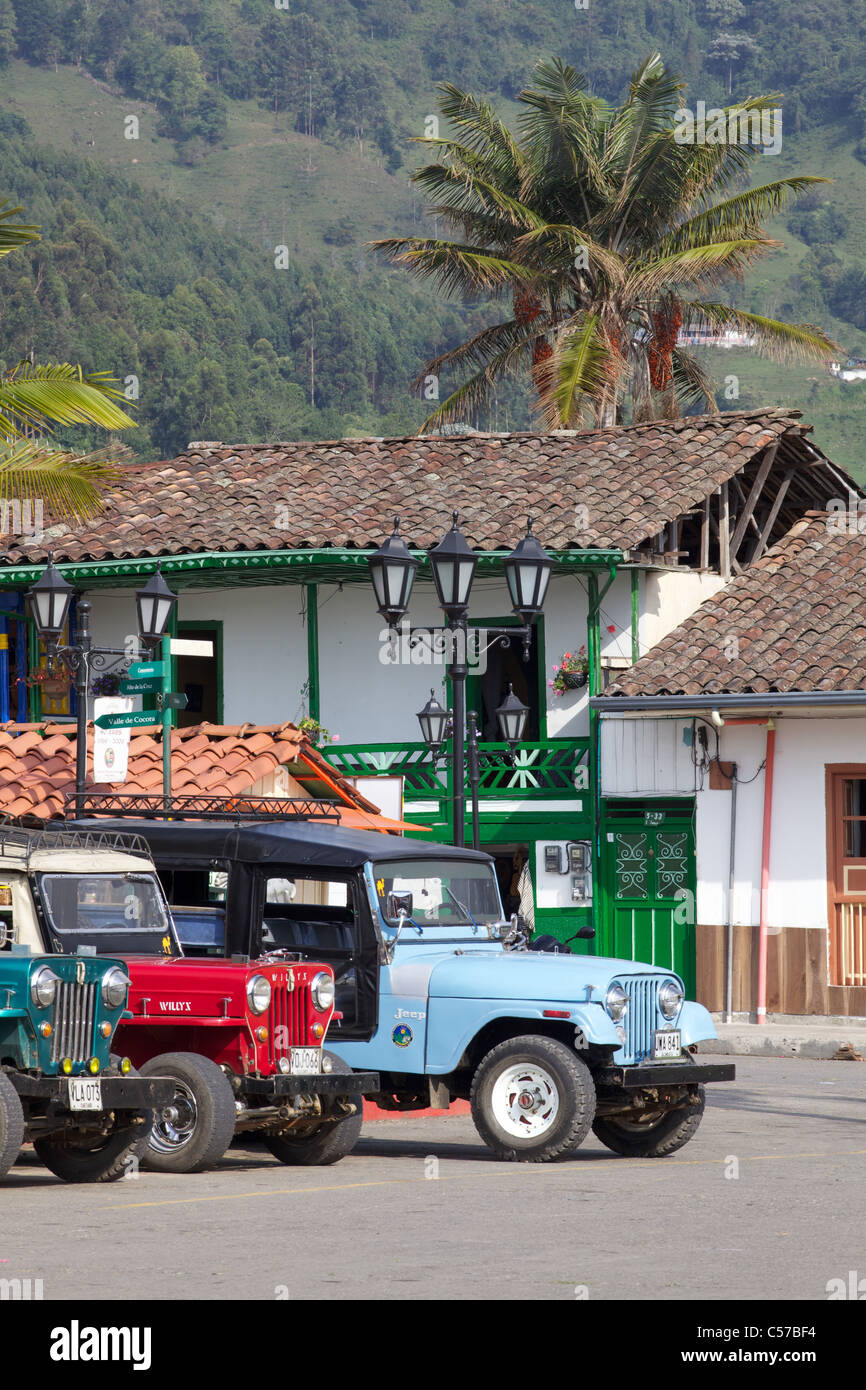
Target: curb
(372, 1112)
(788, 1045)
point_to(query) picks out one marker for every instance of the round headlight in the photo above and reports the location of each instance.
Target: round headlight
(616, 1002)
(322, 990)
(114, 986)
(671, 997)
(43, 987)
(258, 993)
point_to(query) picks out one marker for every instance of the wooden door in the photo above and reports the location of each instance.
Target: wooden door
(846, 872)
(649, 876)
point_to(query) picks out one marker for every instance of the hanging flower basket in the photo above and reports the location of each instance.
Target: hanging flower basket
(573, 680)
(571, 672)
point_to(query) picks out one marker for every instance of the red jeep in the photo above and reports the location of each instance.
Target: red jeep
(242, 1041)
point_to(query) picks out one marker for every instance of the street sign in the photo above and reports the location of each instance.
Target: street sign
(141, 687)
(127, 721)
(189, 646)
(141, 670)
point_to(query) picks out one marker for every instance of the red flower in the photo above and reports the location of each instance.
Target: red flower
(611, 628)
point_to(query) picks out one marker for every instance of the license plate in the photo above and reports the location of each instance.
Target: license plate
(667, 1043)
(85, 1093)
(304, 1060)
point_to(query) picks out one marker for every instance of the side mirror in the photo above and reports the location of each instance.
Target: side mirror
(586, 933)
(398, 904)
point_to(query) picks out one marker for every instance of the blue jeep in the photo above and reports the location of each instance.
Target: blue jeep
(441, 995)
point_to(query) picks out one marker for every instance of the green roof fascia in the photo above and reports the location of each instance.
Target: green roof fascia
(205, 569)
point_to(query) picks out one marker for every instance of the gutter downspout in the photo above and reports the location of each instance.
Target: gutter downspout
(765, 871)
(729, 968)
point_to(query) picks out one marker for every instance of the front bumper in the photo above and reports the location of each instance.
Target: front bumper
(118, 1092)
(664, 1074)
(358, 1083)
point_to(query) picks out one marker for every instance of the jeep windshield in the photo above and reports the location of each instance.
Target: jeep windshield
(445, 893)
(117, 913)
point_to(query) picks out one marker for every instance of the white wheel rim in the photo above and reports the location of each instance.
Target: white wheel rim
(525, 1100)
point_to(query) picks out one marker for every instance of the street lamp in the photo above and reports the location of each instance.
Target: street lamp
(392, 570)
(453, 563)
(154, 603)
(49, 600)
(512, 715)
(433, 719)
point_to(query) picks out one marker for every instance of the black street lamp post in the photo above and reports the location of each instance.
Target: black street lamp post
(50, 600)
(453, 562)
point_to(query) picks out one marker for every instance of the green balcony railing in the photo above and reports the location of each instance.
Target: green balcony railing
(551, 768)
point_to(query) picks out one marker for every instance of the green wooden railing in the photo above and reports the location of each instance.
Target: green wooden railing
(551, 768)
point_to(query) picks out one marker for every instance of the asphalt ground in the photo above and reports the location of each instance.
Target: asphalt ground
(767, 1201)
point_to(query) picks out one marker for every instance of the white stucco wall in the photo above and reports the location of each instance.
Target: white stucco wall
(362, 696)
(668, 597)
(798, 840)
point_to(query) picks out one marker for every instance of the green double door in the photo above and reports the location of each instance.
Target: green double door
(648, 875)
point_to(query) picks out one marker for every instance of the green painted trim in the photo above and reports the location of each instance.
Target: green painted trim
(34, 694)
(542, 678)
(313, 689)
(635, 616)
(191, 624)
(351, 564)
(168, 663)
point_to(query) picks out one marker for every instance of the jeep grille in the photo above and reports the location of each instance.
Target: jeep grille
(289, 1012)
(74, 1021)
(641, 1018)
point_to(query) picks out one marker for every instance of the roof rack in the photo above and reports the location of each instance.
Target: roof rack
(18, 840)
(146, 806)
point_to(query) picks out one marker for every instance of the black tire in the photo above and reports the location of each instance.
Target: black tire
(11, 1124)
(327, 1143)
(77, 1156)
(568, 1087)
(650, 1138)
(198, 1132)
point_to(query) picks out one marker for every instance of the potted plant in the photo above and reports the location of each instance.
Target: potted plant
(571, 672)
(318, 735)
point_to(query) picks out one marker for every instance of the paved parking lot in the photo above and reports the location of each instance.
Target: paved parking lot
(769, 1200)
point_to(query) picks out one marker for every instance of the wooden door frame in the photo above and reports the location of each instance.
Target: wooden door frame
(835, 773)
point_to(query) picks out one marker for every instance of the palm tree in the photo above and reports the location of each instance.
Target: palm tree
(605, 233)
(33, 398)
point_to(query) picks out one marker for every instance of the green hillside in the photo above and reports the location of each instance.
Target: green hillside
(260, 125)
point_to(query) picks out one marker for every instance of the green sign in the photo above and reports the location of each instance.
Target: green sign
(141, 687)
(127, 721)
(141, 670)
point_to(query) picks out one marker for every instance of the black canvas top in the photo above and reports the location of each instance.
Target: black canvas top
(178, 843)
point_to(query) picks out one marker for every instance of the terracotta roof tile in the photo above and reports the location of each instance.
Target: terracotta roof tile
(37, 763)
(795, 621)
(284, 496)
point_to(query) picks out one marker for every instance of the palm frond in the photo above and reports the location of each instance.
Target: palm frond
(455, 267)
(738, 215)
(38, 396)
(14, 234)
(575, 379)
(786, 342)
(68, 485)
(710, 263)
(691, 384)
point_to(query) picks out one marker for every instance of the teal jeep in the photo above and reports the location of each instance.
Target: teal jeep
(87, 1116)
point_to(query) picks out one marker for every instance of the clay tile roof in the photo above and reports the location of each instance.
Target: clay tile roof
(37, 764)
(795, 621)
(626, 481)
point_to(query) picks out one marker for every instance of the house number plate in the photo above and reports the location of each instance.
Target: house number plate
(667, 1043)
